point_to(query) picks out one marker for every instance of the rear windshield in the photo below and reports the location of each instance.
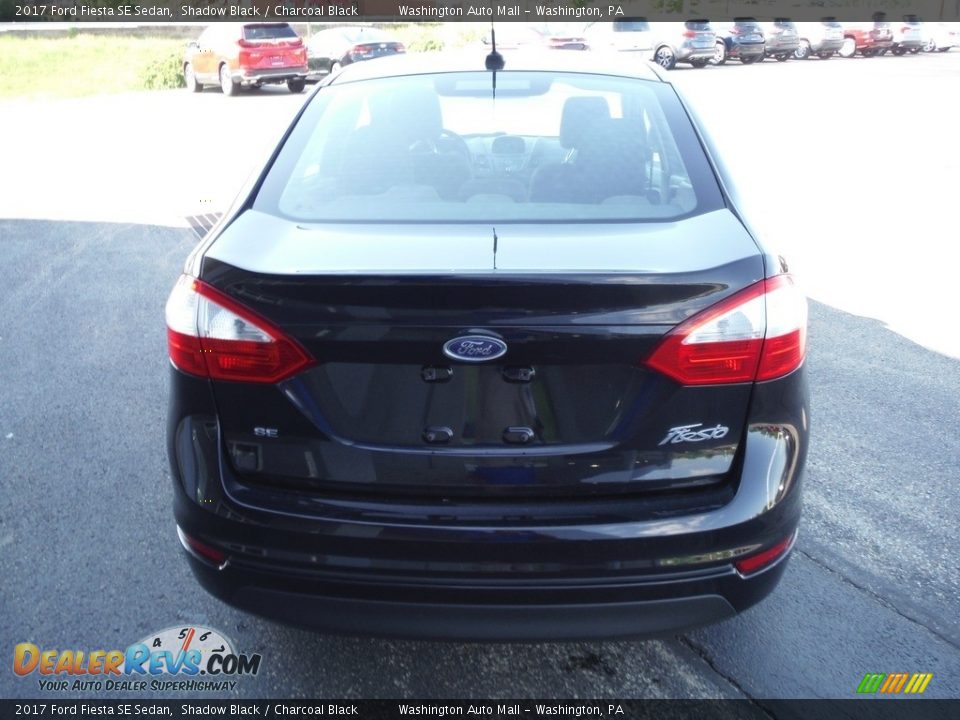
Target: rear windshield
(268, 32)
(631, 26)
(697, 25)
(442, 148)
(366, 35)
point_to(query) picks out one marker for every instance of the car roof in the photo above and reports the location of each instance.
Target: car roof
(471, 60)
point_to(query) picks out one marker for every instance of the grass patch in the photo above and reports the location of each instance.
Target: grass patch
(426, 37)
(85, 65)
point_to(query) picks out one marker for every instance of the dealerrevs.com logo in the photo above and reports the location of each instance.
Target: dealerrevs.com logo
(176, 659)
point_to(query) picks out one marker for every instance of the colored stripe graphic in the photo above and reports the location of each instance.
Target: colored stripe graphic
(919, 681)
(895, 683)
(871, 682)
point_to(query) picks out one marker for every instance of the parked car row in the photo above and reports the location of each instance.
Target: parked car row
(700, 42)
(237, 55)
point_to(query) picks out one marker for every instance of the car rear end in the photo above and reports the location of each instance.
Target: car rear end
(745, 39)
(562, 36)
(946, 36)
(781, 39)
(269, 53)
(632, 35)
(879, 37)
(907, 36)
(371, 48)
(829, 39)
(696, 42)
(398, 410)
(823, 39)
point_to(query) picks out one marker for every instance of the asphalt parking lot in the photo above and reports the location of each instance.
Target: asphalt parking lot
(851, 165)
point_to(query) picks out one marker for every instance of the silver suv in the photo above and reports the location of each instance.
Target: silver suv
(781, 39)
(692, 41)
(822, 39)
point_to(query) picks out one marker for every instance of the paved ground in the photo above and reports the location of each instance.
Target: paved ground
(86, 548)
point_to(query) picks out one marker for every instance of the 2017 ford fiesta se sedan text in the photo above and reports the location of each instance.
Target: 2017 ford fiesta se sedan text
(488, 355)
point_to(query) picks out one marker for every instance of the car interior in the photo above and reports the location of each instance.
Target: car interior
(398, 147)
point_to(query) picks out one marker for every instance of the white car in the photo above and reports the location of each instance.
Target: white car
(907, 36)
(940, 36)
(633, 35)
(823, 39)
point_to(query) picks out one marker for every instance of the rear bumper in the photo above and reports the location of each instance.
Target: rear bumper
(787, 47)
(472, 614)
(738, 50)
(827, 45)
(874, 44)
(484, 571)
(686, 54)
(272, 75)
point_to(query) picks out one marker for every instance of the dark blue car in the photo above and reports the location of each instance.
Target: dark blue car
(742, 39)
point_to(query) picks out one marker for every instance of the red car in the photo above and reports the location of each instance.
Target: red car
(868, 39)
(234, 55)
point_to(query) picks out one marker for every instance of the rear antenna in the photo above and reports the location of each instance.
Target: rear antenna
(494, 60)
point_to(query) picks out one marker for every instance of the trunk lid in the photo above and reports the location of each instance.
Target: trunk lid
(267, 46)
(569, 409)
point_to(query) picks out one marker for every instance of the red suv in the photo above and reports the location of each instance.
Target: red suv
(868, 39)
(232, 55)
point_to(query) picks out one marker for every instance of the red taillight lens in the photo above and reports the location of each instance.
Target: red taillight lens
(689, 33)
(246, 58)
(758, 333)
(359, 49)
(202, 549)
(399, 47)
(754, 563)
(211, 335)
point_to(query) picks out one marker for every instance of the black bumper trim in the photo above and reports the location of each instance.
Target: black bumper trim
(501, 623)
(494, 622)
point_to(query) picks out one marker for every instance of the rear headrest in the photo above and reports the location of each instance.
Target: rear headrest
(416, 113)
(580, 114)
(624, 140)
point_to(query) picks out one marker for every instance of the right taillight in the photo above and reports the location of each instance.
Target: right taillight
(756, 334)
(211, 335)
(762, 560)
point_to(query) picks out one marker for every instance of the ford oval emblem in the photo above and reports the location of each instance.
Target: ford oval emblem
(474, 348)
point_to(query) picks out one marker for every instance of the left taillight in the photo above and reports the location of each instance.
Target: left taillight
(756, 334)
(211, 335)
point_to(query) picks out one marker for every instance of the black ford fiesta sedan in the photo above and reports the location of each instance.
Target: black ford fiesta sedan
(488, 355)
